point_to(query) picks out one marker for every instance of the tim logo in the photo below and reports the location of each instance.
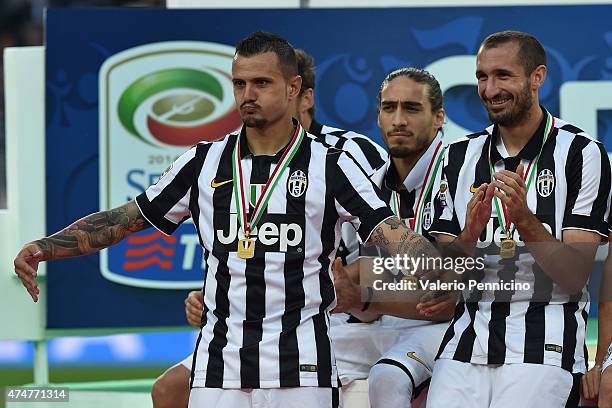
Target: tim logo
(545, 183)
(297, 183)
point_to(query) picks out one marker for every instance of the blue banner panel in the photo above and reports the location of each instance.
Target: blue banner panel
(128, 90)
(118, 350)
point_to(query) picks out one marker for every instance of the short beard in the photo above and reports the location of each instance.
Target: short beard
(250, 121)
(518, 115)
(400, 151)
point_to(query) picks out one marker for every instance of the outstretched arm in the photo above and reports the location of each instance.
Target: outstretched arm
(93, 233)
(85, 236)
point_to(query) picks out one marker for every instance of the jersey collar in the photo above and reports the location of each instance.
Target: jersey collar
(246, 152)
(316, 128)
(529, 151)
(415, 178)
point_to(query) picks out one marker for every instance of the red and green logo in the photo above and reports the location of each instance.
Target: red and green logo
(179, 107)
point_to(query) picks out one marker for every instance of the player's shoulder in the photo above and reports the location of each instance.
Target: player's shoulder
(579, 144)
(320, 145)
(568, 131)
(228, 137)
(217, 142)
(476, 138)
(345, 134)
(206, 148)
(352, 141)
(330, 130)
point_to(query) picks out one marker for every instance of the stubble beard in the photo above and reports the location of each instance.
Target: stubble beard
(516, 116)
(253, 122)
(401, 152)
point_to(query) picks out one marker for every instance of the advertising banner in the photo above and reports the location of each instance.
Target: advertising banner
(128, 90)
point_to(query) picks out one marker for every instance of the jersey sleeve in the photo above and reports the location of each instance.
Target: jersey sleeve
(588, 188)
(165, 204)
(367, 153)
(607, 361)
(610, 217)
(356, 199)
(445, 219)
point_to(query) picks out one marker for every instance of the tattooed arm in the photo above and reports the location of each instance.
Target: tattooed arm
(394, 238)
(86, 236)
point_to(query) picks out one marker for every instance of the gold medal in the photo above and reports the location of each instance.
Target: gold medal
(246, 245)
(410, 278)
(246, 248)
(507, 248)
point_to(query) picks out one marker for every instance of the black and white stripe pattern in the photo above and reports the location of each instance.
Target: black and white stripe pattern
(504, 327)
(385, 178)
(266, 318)
(368, 154)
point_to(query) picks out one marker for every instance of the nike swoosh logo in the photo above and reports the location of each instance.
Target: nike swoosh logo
(214, 183)
(473, 189)
(411, 355)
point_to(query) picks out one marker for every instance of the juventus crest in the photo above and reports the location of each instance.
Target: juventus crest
(545, 183)
(297, 183)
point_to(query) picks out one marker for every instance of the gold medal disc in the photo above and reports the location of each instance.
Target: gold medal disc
(246, 248)
(507, 248)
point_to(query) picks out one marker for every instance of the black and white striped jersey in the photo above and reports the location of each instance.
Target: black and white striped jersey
(607, 361)
(570, 190)
(408, 198)
(265, 322)
(368, 154)
(415, 198)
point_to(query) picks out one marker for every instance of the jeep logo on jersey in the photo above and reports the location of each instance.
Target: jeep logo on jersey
(545, 183)
(275, 233)
(493, 234)
(156, 101)
(297, 183)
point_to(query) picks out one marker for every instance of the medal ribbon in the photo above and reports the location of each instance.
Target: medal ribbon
(427, 184)
(239, 184)
(531, 169)
(395, 203)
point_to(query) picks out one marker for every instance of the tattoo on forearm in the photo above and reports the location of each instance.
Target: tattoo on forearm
(410, 243)
(94, 232)
(415, 245)
(378, 237)
(393, 222)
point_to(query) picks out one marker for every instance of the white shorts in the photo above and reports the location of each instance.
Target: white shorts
(414, 351)
(358, 346)
(297, 397)
(458, 384)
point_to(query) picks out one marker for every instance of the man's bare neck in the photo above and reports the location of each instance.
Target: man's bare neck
(516, 137)
(269, 140)
(404, 165)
